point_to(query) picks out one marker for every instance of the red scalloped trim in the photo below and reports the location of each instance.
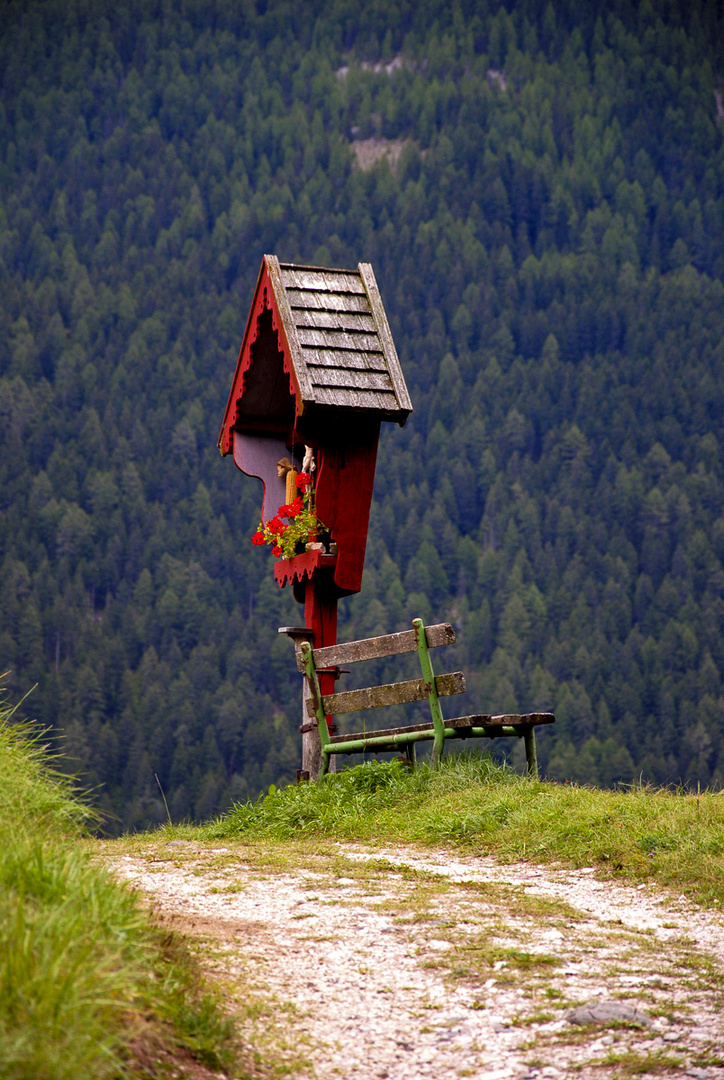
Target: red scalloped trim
(263, 301)
(287, 571)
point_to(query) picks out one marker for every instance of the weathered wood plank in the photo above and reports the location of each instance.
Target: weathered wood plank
(504, 720)
(386, 733)
(373, 697)
(343, 282)
(339, 358)
(357, 322)
(301, 299)
(389, 733)
(356, 399)
(317, 280)
(352, 652)
(346, 340)
(305, 279)
(361, 380)
(387, 739)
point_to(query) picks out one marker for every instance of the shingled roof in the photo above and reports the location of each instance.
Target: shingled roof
(341, 339)
(336, 342)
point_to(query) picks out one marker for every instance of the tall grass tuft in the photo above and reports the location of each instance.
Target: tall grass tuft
(85, 980)
(351, 802)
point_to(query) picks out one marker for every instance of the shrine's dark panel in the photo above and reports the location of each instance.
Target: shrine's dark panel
(267, 395)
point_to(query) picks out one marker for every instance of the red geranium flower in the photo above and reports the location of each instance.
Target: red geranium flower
(258, 538)
(276, 526)
(303, 480)
(290, 510)
(276, 551)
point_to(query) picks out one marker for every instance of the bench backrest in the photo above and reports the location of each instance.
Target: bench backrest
(420, 639)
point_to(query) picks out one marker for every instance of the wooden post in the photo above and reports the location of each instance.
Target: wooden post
(311, 752)
(320, 615)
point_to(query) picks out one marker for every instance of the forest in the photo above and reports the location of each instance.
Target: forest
(539, 187)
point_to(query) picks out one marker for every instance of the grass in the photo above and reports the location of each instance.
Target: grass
(88, 986)
(640, 834)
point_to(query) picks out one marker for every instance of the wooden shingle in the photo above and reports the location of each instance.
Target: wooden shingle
(339, 338)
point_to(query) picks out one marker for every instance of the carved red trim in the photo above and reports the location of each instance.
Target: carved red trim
(287, 571)
(264, 300)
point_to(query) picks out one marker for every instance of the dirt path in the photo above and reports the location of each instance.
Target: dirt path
(359, 962)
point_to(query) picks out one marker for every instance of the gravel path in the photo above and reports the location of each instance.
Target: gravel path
(359, 962)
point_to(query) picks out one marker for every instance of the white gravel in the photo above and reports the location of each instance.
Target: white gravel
(388, 961)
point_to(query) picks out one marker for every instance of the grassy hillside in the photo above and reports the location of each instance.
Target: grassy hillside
(675, 839)
(88, 987)
(540, 189)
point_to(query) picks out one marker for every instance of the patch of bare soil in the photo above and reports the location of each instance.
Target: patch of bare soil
(361, 962)
(368, 152)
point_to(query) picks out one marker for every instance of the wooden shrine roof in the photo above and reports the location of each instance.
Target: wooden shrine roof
(340, 340)
(335, 345)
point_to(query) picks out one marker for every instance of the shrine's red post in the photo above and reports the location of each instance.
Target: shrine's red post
(320, 616)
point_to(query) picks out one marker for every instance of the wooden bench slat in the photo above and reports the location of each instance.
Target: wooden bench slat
(504, 720)
(478, 720)
(351, 652)
(386, 733)
(373, 697)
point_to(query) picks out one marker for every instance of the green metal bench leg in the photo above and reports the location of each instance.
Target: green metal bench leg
(410, 753)
(311, 672)
(428, 675)
(531, 755)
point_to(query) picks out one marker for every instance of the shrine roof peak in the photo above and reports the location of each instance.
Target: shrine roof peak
(333, 326)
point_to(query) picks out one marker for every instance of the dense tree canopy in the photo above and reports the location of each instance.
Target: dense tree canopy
(548, 236)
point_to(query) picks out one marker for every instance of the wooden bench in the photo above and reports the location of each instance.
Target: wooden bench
(420, 639)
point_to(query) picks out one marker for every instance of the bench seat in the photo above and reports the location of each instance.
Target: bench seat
(461, 727)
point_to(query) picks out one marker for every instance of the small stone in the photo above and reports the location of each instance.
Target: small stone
(608, 1012)
(698, 1074)
(550, 1072)
(672, 1036)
